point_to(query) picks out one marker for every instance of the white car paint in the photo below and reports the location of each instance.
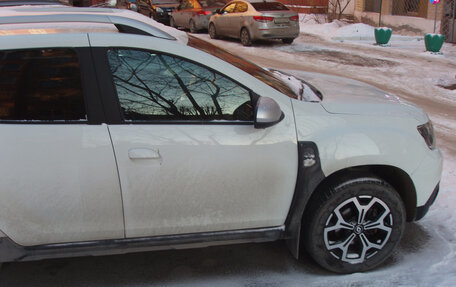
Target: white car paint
(198, 178)
(196, 160)
(59, 184)
(357, 124)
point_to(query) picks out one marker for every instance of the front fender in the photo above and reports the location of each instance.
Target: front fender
(352, 140)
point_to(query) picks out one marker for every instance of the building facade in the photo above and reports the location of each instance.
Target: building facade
(411, 17)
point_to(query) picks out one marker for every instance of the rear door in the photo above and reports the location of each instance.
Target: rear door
(59, 178)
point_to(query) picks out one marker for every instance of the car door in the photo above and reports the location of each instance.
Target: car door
(189, 157)
(145, 8)
(237, 19)
(223, 21)
(59, 178)
(184, 13)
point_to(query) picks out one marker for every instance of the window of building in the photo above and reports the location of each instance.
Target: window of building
(373, 6)
(153, 86)
(40, 85)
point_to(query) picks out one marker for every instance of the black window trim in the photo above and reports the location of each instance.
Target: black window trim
(89, 87)
(108, 92)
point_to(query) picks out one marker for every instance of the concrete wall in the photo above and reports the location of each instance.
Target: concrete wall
(404, 25)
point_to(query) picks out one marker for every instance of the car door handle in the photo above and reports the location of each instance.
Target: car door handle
(143, 153)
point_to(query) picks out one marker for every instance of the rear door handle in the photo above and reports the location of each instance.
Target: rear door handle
(143, 153)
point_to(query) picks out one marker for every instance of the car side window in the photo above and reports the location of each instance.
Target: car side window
(41, 85)
(229, 8)
(156, 87)
(241, 7)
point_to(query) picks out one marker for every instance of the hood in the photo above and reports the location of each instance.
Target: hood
(346, 96)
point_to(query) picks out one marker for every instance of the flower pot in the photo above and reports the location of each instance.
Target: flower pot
(433, 42)
(383, 35)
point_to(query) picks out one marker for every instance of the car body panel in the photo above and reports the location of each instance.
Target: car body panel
(191, 10)
(352, 132)
(158, 11)
(71, 192)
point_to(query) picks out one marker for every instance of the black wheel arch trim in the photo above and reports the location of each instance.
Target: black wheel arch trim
(310, 175)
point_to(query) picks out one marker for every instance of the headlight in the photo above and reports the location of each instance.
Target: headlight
(427, 132)
(159, 10)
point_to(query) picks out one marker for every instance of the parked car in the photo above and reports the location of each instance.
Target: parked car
(133, 136)
(254, 20)
(132, 5)
(194, 14)
(159, 10)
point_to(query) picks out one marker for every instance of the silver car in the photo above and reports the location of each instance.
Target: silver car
(194, 14)
(253, 20)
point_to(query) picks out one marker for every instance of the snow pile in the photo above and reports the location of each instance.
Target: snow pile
(335, 30)
(354, 31)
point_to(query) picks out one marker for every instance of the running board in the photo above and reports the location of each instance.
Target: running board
(10, 251)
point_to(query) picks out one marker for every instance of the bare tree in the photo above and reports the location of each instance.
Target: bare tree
(336, 8)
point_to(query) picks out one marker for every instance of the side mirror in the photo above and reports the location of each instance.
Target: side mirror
(267, 113)
(218, 11)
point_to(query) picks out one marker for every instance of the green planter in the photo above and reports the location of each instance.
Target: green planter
(383, 35)
(433, 42)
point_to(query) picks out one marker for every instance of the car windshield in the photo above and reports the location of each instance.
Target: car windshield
(269, 6)
(261, 74)
(212, 3)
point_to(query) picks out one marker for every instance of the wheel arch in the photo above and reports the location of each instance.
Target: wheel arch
(312, 181)
(394, 176)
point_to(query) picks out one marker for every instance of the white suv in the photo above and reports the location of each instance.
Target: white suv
(118, 134)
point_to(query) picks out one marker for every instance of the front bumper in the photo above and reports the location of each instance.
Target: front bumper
(426, 179)
(422, 210)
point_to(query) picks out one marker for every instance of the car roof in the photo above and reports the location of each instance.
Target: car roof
(125, 21)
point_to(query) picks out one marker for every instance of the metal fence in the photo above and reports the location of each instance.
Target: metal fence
(416, 8)
(448, 26)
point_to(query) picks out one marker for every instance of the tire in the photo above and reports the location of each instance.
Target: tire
(192, 27)
(287, 40)
(245, 37)
(354, 225)
(172, 23)
(212, 31)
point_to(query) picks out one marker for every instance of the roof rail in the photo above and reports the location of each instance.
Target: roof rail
(123, 24)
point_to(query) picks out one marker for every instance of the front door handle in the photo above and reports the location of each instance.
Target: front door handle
(143, 153)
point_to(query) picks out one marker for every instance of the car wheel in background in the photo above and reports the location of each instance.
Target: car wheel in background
(354, 225)
(212, 31)
(287, 40)
(192, 26)
(245, 37)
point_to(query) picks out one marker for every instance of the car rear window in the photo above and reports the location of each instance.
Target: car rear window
(269, 6)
